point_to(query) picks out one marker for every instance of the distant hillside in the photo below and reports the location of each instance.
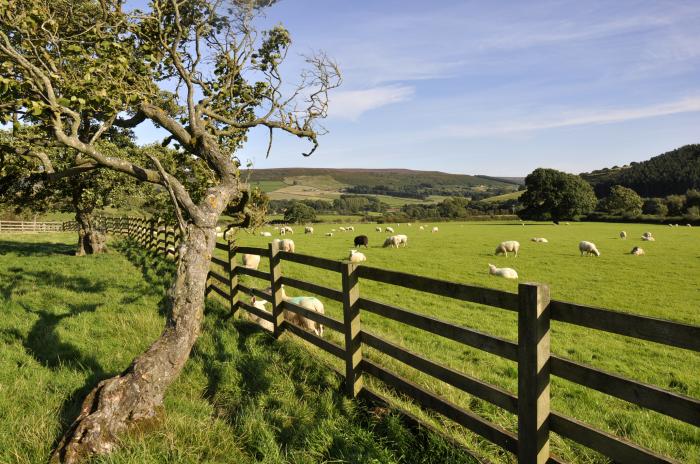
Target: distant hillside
(670, 173)
(509, 180)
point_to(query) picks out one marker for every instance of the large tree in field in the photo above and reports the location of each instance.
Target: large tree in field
(199, 70)
(555, 195)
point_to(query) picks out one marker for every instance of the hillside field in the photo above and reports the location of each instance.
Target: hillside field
(662, 284)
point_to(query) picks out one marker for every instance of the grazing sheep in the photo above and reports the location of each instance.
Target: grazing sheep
(623, 235)
(250, 261)
(351, 228)
(260, 304)
(389, 229)
(409, 224)
(356, 256)
(392, 242)
(285, 244)
(588, 248)
(670, 225)
(505, 247)
(308, 230)
(435, 229)
(421, 228)
(308, 302)
(689, 225)
(539, 240)
(289, 229)
(219, 235)
(265, 234)
(505, 272)
(329, 234)
(361, 240)
(636, 251)
(342, 229)
(403, 240)
(377, 229)
(566, 223)
(332, 230)
(646, 235)
(283, 230)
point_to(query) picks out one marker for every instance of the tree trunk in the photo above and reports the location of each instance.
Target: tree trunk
(90, 240)
(136, 395)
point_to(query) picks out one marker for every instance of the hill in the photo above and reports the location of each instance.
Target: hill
(673, 172)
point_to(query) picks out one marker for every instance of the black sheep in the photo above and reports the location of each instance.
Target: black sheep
(361, 240)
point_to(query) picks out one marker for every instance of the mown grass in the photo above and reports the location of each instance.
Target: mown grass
(663, 284)
(67, 322)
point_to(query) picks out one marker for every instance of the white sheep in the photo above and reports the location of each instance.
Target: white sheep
(308, 230)
(646, 235)
(409, 224)
(289, 229)
(356, 256)
(329, 234)
(265, 234)
(260, 304)
(421, 228)
(250, 261)
(636, 251)
(219, 235)
(623, 235)
(351, 228)
(689, 225)
(588, 248)
(403, 239)
(392, 242)
(342, 229)
(285, 244)
(377, 229)
(218, 229)
(505, 272)
(539, 240)
(389, 229)
(283, 230)
(505, 247)
(435, 229)
(308, 302)
(332, 230)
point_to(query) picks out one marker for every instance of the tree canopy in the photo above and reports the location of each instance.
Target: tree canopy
(623, 200)
(556, 195)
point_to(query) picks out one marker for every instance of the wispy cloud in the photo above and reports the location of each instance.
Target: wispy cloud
(351, 104)
(565, 119)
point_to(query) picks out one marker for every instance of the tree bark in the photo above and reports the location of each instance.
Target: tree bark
(90, 240)
(136, 395)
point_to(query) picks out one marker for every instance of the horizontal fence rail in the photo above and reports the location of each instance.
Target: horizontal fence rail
(531, 351)
(30, 226)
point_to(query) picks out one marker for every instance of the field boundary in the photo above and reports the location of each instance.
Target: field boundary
(31, 226)
(532, 354)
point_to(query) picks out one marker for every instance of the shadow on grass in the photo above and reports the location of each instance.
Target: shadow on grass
(35, 249)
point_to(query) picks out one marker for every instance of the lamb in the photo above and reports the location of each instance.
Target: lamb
(285, 244)
(250, 261)
(260, 304)
(308, 230)
(265, 234)
(623, 235)
(356, 256)
(329, 234)
(403, 240)
(505, 272)
(389, 229)
(505, 247)
(636, 251)
(539, 240)
(435, 229)
(392, 242)
(361, 240)
(588, 248)
(377, 229)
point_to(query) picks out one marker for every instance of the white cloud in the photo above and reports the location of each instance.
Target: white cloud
(564, 119)
(351, 104)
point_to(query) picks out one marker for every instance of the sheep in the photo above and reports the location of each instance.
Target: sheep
(389, 229)
(670, 225)
(392, 242)
(403, 240)
(539, 240)
(342, 229)
(265, 234)
(361, 240)
(329, 234)
(505, 247)
(288, 229)
(218, 229)
(356, 256)
(505, 272)
(260, 304)
(623, 235)
(219, 235)
(308, 230)
(689, 225)
(350, 229)
(409, 224)
(636, 251)
(646, 235)
(250, 261)
(307, 302)
(435, 229)
(421, 228)
(283, 230)
(285, 244)
(377, 229)
(588, 248)
(332, 230)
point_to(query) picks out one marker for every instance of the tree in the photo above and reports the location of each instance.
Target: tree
(200, 71)
(555, 195)
(655, 206)
(299, 213)
(623, 200)
(675, 205)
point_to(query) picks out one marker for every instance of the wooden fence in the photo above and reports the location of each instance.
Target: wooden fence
(30, 226)
(536, 364)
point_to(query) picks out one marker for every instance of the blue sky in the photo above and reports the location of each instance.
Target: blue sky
(496, 88)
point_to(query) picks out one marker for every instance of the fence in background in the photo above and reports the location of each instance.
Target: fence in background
(30, 226)
(536, 364)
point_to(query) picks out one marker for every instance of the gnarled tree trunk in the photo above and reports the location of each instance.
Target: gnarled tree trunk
(90, 240)
(136, 394)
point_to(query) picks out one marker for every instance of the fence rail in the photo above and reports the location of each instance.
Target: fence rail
(531, 352)
(30, 226)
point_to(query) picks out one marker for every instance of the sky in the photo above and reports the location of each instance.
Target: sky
(496, 88)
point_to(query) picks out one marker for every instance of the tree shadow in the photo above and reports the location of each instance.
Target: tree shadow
(35, 249)
(12, 277)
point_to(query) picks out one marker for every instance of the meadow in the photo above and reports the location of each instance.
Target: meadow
(66, 323)
(662, 284)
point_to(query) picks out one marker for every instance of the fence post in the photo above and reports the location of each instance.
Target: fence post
(276, 289)
(232, 277)
(533, 373)
(351, 326)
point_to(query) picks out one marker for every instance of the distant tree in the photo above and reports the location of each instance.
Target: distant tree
(299, 213)
(623, 200)
(655, 206)
(675, 205)
(555, 195)
(692, 198)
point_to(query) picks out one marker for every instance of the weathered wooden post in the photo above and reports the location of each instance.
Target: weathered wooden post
(533, 373)
(276, 289)
(232, 277)
(351, 320)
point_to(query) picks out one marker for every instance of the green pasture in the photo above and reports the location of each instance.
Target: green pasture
(663, 284)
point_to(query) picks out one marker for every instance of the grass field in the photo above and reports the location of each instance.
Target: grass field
(67, 322)
(664, 284)
(505, 196)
